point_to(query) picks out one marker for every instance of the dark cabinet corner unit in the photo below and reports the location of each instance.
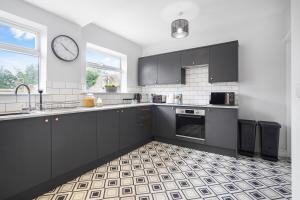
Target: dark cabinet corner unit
(25, 147)
(223, 62)
(74, 141)
(221, 128)
(147, 70)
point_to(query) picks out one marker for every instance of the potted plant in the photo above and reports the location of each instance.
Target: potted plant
(110, 88)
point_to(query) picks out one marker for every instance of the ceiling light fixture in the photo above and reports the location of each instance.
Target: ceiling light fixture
(180, 28)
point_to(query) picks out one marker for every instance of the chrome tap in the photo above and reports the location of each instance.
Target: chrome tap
(28, 90)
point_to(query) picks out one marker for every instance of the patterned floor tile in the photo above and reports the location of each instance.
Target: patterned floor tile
(159, 171)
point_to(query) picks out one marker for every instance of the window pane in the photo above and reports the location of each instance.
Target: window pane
(17, 37)
(103, 59)
(16, 68)
(96, 79)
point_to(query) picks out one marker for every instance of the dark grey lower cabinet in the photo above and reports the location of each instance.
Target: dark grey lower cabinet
(165, 122)
(221, 127)
(74, 141)
(129, 131)
(144, 122)
(25, 154)
(108, 132)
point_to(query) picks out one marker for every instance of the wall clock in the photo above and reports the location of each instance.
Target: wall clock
(65, 48)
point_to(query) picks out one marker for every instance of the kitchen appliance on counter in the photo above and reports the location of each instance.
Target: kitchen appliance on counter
(222, 98)
(159, 98)
(190, 123)
(178, 99)
(89, 100)
(137, 97)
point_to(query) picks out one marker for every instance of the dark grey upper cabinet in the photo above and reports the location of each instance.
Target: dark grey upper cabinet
(25, 154)
(107, 132)
(199, 56)
(221, 127)
(74, 141)
(223, 62)
(165, 123)
(147, 70)
(169, 69)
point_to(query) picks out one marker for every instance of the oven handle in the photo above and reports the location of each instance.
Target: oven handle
(190, 116)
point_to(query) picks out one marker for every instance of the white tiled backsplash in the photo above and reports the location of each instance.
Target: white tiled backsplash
(196, 91)
(62, 92)
(197, 88)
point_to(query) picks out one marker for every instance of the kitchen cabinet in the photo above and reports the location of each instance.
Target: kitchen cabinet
(147, 70)
(223, 62)
(221, 128)
(165, 122)
(25, 154)
(169, 70)
(198, 56)
(128, 127)
(145, 115)
(107, 132)
(74, 141)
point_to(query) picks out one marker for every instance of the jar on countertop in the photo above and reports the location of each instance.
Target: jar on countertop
(89, 100)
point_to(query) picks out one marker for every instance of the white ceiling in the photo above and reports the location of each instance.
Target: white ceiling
(147, 22)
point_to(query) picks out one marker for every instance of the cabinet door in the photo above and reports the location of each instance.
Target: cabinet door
(25, 154)
(108, 132)
(147, 70)
(223, 63)
(169, 69)
(221, 128)
(199, 56)
(165, 122)
(129, 131)
(144, 123)
(74, 141)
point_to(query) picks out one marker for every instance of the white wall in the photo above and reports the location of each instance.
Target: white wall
(295, 92)
(57, 70)
(101, 37)
(262, 66)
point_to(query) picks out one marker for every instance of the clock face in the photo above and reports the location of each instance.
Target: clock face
(65, 48)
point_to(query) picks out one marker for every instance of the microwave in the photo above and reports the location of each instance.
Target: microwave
(222, 98)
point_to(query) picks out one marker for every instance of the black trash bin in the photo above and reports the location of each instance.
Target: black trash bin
(247, 135)
(269, 133)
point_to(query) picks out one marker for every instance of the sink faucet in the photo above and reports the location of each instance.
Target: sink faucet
(28, 90)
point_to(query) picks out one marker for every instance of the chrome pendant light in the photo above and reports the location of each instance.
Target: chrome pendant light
(180, 28)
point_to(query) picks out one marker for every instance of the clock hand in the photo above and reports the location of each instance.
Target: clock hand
(67, 49)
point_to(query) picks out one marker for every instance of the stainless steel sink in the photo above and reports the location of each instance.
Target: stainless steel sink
(14, 113)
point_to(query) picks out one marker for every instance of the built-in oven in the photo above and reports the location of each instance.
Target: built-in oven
(190, 124)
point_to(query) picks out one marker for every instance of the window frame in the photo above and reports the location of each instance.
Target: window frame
(103, 66)
(36, 52)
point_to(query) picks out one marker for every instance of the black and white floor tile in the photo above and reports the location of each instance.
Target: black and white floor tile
(159, 171)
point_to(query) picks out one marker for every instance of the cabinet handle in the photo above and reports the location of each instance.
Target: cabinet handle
(177, 80)
(193, 62)
(117, 111)
(122, 110)
(56, 118)
(46, 120)
(211, 78)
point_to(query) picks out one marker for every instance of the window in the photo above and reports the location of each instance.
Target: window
(19, 56)
(104, 68)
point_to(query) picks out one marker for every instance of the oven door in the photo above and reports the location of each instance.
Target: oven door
(190, 126)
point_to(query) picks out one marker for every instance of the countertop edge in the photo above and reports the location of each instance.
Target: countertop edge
(106, 107)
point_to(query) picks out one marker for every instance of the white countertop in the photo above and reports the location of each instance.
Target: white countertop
(105, 107)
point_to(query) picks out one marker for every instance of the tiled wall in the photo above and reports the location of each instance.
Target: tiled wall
(62, 92)
(196, 90)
